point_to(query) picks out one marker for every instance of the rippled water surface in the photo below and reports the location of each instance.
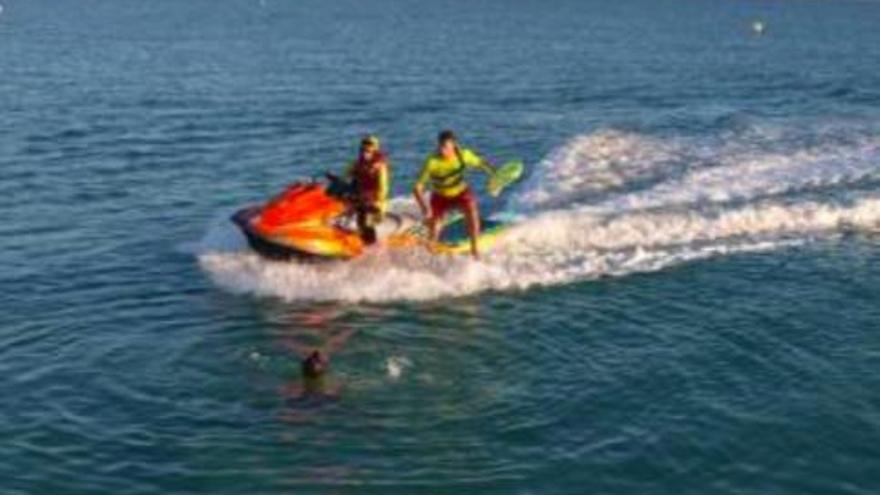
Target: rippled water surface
(687, 302)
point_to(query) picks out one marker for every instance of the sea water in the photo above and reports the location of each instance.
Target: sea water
(687, 301)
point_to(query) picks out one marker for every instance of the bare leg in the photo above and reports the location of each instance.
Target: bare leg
(435, 228)
(472, 216)
(433, 231)
(337, 341)
(367, 219)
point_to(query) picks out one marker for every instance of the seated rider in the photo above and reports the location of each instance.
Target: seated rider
(368, 175)
(444, 171)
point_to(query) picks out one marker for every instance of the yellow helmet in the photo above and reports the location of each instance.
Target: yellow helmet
(371, 140)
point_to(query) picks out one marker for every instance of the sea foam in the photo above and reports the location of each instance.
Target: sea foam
(608, 203)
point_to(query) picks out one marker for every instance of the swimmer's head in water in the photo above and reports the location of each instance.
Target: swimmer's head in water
(314, 365)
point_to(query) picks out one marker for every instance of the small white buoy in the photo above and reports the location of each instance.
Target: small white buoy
(758, 27)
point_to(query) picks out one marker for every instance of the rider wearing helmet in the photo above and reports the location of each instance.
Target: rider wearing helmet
(369, 177)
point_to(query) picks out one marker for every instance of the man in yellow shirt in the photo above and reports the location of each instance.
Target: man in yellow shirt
(444, 172)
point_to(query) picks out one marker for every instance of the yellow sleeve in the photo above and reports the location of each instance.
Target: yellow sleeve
(384, 183)
(474, 160)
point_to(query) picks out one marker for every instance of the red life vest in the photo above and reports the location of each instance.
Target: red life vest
(365, 175)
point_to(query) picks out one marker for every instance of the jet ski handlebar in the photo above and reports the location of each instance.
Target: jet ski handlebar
(339, 187)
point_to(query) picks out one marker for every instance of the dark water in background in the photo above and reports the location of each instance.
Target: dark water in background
(689, 303)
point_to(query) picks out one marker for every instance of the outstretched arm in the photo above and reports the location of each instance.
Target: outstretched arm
(300, 349)
(487, 167)
(337, 341)
(474, 160)
(419, 190)
(419, 193)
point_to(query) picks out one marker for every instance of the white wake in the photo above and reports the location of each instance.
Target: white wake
(608, 204)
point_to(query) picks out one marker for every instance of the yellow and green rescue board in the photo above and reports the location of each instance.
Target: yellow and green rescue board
(504, 176)
(454, 238)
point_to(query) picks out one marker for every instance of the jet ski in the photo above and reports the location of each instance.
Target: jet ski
(308, 221)
(314, 221)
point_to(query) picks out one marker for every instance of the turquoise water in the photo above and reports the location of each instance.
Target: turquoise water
(688, 302)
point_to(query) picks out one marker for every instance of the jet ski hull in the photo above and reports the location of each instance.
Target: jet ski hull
(307, 222)
(267, 247)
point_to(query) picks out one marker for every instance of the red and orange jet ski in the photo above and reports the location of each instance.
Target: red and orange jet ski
(313, 221)
(307, 221)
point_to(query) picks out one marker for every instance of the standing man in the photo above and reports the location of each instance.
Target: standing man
(444, 171)
(369, 179)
